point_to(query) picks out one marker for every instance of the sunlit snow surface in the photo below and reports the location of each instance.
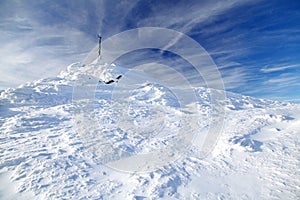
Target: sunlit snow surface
(44, 157)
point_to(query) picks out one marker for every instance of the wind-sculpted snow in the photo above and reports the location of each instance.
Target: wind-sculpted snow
(44, 157)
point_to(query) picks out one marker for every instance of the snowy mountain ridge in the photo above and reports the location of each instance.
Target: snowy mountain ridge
(44, 157)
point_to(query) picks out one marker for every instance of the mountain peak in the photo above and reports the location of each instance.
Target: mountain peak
(49, 146)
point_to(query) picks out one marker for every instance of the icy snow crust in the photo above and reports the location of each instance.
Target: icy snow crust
(44, 157)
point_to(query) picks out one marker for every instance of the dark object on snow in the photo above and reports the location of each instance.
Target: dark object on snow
(112, 81)
(109, 82)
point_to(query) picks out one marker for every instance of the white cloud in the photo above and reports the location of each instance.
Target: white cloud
(35, 44)
(278, 68)
(283, 82)
(40, 51)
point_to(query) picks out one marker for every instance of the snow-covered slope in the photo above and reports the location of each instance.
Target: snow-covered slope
(43, 155)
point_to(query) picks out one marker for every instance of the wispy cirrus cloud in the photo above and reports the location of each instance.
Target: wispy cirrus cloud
(40, 38)
(279, 68)
(32, 49)
(283, 80)
(38, 53)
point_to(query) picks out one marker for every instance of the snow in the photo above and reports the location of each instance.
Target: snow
(49, 150)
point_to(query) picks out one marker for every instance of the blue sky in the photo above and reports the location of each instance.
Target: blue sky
(255, 43)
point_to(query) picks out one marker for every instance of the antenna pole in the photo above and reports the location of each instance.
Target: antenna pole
(99, 48)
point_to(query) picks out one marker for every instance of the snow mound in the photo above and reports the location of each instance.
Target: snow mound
(103, 71)
(44, 157)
